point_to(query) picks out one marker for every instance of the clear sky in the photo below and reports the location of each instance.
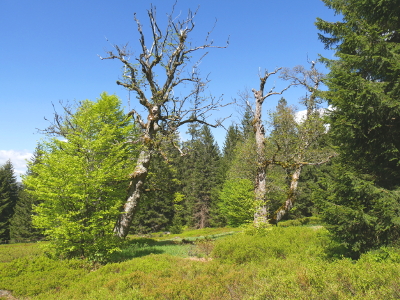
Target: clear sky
(49, 52)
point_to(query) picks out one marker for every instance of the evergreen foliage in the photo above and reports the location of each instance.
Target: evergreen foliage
(364, 86)
(8, 198)
(156, 209)
(78, 180)
(200, 176)
(21, 223)
(362, 206)
(359, 214)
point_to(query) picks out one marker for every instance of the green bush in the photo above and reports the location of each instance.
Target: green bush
(277, 243)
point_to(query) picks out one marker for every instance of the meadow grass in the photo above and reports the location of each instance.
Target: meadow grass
(282, 263)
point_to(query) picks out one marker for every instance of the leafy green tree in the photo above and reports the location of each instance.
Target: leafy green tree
(237, 201)
(78, 179)
(8, 198)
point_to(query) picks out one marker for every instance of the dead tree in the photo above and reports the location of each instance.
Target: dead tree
(165, 58)
(261, 213)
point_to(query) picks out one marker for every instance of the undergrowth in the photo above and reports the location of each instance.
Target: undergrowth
(281, 263)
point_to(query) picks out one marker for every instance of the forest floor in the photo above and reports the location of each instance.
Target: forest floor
(293, 262)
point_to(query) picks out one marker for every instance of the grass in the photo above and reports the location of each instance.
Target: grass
(284, 263)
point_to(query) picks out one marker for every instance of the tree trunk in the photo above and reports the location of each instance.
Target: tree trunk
(135, 190)
(291, 199)
(261, 213)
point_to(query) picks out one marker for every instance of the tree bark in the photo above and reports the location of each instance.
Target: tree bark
(261, 213)
(135, 190)
(291, 199)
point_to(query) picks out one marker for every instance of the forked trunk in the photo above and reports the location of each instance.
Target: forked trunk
(135, 190)
(291, 199)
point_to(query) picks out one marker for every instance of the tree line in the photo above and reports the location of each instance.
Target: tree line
(103, 174)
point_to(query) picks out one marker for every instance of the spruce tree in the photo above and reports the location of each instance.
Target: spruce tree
(156, 210)
(21, 223)
(8, 198)
(360, 198)
(200, 176)
(364, 86)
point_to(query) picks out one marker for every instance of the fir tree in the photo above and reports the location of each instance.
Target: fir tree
(21, 222)
(364, 86)
(200, 176)
(156, 210)
(360, 200)
(8, 198)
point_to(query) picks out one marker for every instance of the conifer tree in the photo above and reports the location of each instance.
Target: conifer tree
(8, 198)
(201, 176)
(21, 223)
(360, 199)
(156, 210)
(364, 86)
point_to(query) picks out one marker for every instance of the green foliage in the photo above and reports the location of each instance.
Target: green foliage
(200, 176)
(301, 222)
(237, 201)
(291, 264)
(360, 215)
(361, 200)
(13, 251)
(8, 198)
(276, 243)
(78, 180)
(21, 223)
(364, 85)
(156, 207)
(21, 228)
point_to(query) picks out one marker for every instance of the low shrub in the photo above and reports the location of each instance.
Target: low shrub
(277, 243)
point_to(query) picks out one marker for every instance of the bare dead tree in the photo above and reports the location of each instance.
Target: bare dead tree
(154, 75)
(261, 214)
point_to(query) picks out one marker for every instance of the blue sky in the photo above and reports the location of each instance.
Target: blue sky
(49, 52)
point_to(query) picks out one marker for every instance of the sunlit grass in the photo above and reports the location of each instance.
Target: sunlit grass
(282, 263)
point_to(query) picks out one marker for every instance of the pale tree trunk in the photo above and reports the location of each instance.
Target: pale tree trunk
(291, 199)
(135, 189)
(261, 213)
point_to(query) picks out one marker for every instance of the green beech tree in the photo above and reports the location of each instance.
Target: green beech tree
(8, 198)
(80, 177)
(237, 201)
